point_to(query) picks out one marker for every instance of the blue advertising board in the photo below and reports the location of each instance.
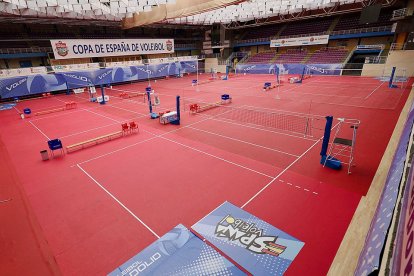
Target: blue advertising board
(179, 252)
(252, 243)
(289, 68)
(41, 83)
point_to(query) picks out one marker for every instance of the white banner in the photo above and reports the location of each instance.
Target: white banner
(299, 41)
(85, 48)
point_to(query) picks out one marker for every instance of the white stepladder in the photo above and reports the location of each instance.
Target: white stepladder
(344, 147)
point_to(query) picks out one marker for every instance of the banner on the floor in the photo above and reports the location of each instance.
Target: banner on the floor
(179, 252)
(300, 41)
(86, 48)
(252, 243)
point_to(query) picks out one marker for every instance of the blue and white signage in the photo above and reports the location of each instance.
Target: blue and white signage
(252, 243)
(179, 252)
(86, 48)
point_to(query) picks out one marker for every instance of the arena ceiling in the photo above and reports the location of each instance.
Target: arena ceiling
(132, 13)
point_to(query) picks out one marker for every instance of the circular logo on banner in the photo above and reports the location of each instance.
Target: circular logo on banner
(283, 42)
(169, 45)
(312, 39)
(61, 48)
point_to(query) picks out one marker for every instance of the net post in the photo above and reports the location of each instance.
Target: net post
(148, 90)
(178, 109)
(390, 83)
(67, 88)
(103, 94)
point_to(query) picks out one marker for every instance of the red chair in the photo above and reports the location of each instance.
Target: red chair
(125, 127)
(133, 126)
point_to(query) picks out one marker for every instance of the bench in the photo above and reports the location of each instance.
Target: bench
(125, 95)
(49, 111)
(68, 105)
(94, 141)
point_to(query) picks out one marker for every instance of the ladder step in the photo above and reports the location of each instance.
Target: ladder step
(342, 141)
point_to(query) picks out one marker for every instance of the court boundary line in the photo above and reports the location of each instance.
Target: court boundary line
(155, 136)
(283, 171)
(47, 137)
(242, 141)
(369, 95)
(214, 156)
(118, 201)
(91, 129)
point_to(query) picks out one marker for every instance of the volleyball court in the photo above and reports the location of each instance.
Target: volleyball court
(260, 151)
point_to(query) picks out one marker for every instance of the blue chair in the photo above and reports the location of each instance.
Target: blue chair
(27, 111)
(55, 144)
(225, 97)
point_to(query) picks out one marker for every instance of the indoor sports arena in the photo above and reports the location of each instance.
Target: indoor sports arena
(206, 137)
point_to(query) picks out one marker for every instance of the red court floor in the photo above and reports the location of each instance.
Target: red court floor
(95, 208)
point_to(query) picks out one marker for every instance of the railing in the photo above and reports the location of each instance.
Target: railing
(401, 13)
(369, 47)
(303, 35)
(376, 60)
(190, 45)
(351, 31)
(363, 30)
(214, 55)
(26, 50)
(233, 55)
(397, 46)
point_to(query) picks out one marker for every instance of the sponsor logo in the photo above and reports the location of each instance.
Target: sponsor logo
(169, 45)
(249, 236)
(249, 68)
(16, 84)
(312, 39)
(105, 74)
(61, 48)
(138, 267)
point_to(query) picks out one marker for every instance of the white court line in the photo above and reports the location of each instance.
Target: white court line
(56, 115)
(39, 130)
(18, 111)
(245, 142)
(374, 90)
(118, 201)
(149, 139)
(115, 120)
(282, 172)
(91, 129)
(214, 156)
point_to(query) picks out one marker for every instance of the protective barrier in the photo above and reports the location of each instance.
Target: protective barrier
(35, 84)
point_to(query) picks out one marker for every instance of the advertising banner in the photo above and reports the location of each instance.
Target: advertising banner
(33, 84)
(300, 41)
(252, 243)
(290, 68)
(370, 257)
(41, 83)
(86, 48)
(179, 252)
